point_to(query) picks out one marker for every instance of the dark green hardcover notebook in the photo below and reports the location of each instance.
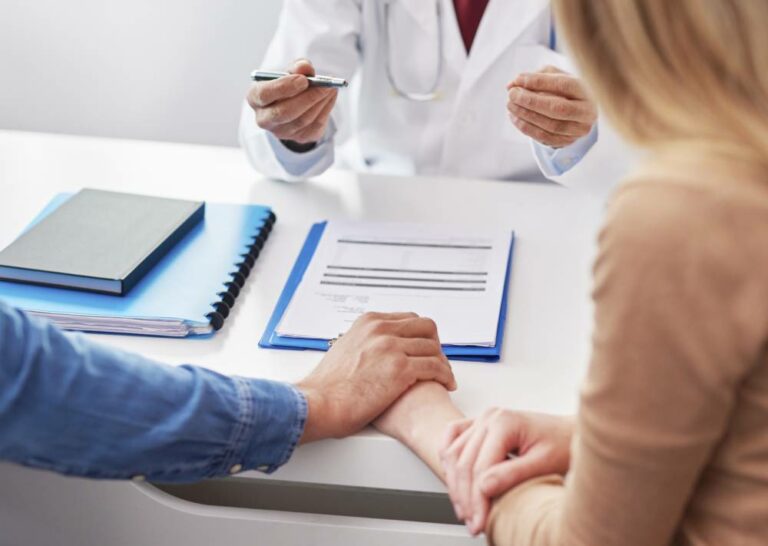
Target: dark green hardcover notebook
(99, 241)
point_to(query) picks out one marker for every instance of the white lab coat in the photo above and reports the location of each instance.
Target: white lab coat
(466, 132)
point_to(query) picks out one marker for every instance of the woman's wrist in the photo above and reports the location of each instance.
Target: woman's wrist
(432, 421)
(424, 406)
(419, 419)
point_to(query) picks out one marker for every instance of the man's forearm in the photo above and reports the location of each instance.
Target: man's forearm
(80, 408)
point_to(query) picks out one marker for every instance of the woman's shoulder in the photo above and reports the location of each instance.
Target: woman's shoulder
(692, 205)
(693, 246)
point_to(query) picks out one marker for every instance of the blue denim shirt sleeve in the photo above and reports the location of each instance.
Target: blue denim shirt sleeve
(79, 408)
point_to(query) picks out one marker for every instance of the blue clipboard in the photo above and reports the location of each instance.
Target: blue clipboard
(187, 285)
(270, 339)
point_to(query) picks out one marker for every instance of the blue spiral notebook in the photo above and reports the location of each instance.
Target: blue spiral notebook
(189, 292)
(271, 340)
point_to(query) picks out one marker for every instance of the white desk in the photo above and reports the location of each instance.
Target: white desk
(545, 349)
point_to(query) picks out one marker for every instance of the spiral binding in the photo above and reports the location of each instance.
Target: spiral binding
(228, 297)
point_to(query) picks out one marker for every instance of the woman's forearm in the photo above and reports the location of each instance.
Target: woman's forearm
(419, 419)
(427, 438)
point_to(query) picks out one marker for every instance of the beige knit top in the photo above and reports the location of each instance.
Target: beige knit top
(672, 435)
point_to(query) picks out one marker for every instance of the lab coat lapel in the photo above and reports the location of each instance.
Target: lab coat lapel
(454, 52)
(502, 24)
(424, 13)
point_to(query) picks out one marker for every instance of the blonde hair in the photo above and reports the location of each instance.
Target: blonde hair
(672, 71)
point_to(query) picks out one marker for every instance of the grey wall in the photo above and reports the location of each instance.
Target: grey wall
(172, 70)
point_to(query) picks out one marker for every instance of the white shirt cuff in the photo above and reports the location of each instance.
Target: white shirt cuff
(558, 161)
(300, 163)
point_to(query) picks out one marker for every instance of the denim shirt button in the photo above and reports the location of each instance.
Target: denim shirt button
(235, 468)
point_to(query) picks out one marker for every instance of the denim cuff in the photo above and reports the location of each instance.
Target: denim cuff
(272, 421)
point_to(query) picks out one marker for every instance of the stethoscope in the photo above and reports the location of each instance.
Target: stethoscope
(432, 93)
(416, 96)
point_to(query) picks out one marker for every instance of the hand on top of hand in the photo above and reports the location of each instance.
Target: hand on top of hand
(368, 368)
(551, 106)
(488, 456)
(290, 109)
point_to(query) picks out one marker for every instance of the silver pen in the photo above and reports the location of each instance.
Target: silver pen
(314, 81)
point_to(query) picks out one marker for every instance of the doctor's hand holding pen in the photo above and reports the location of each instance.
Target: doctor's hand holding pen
(291, 109)
(551, 106)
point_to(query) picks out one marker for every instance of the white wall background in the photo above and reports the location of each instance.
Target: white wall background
(173, 70)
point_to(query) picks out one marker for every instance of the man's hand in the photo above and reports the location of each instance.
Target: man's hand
(488, 456)
(369, 367)
(551, 106)
(290, 109)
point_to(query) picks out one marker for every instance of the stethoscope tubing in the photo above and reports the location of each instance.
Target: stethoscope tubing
(432, 93)
(415, 96)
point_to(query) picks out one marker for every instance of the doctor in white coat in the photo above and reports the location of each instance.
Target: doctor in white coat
(430, 94)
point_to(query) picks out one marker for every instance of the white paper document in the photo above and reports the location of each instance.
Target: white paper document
(451, 274)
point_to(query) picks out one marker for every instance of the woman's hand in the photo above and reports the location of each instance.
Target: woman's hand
(486, 457)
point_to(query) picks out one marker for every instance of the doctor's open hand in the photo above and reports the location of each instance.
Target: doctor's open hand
(290, 109)
(551, 106)
(368, 368)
